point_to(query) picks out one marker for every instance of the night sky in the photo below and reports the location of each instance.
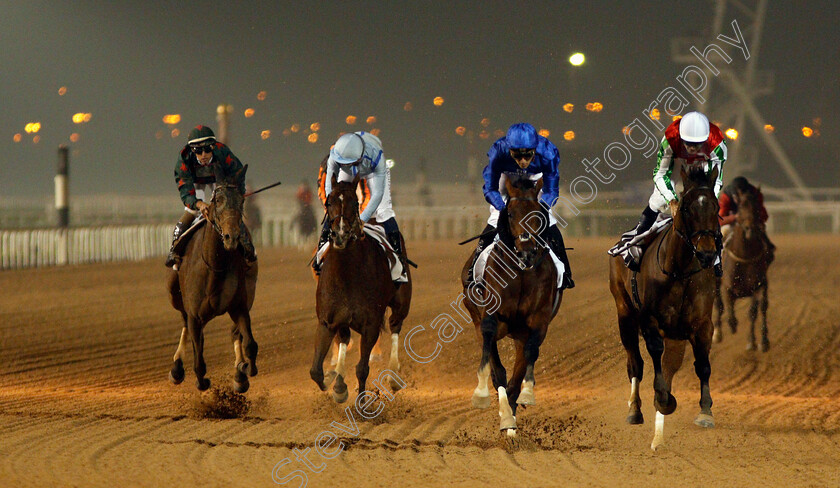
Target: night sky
(131, 63)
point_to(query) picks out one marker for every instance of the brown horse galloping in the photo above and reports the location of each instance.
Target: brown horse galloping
(670, 301)
(745, 262)
(353, 292)
(214, 279)
(520, 304)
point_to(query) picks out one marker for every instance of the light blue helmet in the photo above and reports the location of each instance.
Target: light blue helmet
(348, 148)
(522, 136)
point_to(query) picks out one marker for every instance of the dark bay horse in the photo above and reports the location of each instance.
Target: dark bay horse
(669, 301)
(520, 302)
(745, 262)
(353, 291)
(214, 279)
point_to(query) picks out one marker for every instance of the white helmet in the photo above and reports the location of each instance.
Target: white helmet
(694, 127)
(348, 148)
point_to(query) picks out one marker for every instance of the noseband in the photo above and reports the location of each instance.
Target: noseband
(355, 229)
(526, 236)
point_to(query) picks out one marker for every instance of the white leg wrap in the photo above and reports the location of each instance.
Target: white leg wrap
(659, 432)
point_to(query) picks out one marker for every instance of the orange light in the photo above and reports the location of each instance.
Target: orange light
(485, 122)
(569, 135)
(261, 95)
(315, 126)
(62, 91)
(408, 106)
(817, 121)
(249, 112)
(484, 134)
(32, 127)
(351, 119)
(460, 130)
(654, 114)
(313, 138)
(731, 133)
(265, 134)
(74, 137)
(87, 117)
(769, 128)
(169, 119)
(594, 107)
(676, 118)
(498, 132)
(375, 132)
(17, 137)
(438, 101)
(36, 139)
(287, 132)
(807, 131)
(544, 132)
(371, 120)
(568, 107)
(295, 128)
(625, 130)
(175, 133)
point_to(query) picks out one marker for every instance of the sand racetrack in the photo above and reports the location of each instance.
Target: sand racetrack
(85, 399)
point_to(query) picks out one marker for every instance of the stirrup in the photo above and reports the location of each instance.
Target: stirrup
(568, 282)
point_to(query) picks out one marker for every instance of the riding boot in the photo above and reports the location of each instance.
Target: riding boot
(395, 239)
(173, 258)
(645, 222)
(247, 245)
(325, 236)
(487, 236)
(555, 242)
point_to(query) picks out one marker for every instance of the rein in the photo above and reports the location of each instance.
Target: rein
(216, 227)
(688, 240)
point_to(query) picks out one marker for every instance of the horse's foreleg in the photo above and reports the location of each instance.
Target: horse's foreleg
(323, 339)
(718, 335)
(629, 330)
(176, 374)
(753, 316)
(514, 386)
(369, 338)
(487, 335)
(701, 345)
(248, 363)
(765, 340)
(532, 353)
(663, 400)
(196, 329)
(729, 307)
(340, 387)
(240, 379)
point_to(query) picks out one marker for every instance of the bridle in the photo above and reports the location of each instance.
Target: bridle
(212, 219)
(526, 236)
(689, 238)
(355, 229)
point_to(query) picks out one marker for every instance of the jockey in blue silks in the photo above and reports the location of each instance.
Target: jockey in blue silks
(524, 153)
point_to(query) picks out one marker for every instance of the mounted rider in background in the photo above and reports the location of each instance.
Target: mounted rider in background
(690, 140)
(194, 171)
(523, 152)
(728, 201)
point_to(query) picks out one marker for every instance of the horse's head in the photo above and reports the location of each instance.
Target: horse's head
(343, 213)
(747, 211)
(697, 219)
(226, 207)
(523, 207)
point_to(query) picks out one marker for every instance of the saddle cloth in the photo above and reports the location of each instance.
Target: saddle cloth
(481, 263)
(184, 238)
(631, 246)
(377, 233)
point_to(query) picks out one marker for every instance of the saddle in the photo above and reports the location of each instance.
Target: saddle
(181, 244)
(631, 247)
(377, 233)
(481, 264)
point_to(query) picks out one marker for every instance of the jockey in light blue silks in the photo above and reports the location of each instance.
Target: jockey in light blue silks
(360, 153)
(523, 152)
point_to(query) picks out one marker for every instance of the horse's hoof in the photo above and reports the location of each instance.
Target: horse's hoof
(252, 368)
(511, 432)
(667, 409)
(526, 398)
(750, 346)
(331, 375)
(481, 401)
(508, 422)
(176, 374)
(249, 368)
(340, 397)
(765, 345)
(202, 384)
(705, 421)
(241, 387)
(635, 418)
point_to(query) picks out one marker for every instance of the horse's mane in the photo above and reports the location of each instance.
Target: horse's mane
(697, 175)
(522, 182)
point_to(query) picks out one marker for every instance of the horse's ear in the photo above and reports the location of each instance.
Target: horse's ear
(539, 185)
(218, 173)
(684, 176)
(356, 179)
(509, 186)
(713, 176)
(240, 175)
(334, 179)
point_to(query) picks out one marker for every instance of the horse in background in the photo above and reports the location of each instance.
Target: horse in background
(521, 306)
(669, 301)
(745, 263)
(353, 291)
(214, 279)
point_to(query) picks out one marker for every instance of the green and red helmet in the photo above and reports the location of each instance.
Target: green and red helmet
(201, 135)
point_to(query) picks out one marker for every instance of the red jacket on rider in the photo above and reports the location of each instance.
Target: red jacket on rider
(728, 207)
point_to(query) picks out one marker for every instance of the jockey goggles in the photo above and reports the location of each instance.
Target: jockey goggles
(202, 149)
(519, 154)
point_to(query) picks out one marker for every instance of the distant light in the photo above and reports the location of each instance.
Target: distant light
(817, 121)
(351, 119)
(408, 106)
(577, 59)
(569, 135)
(287, 132)
(175, 133)
(389, 163)
(594, 107)
(485, 122)
(17, 137)
(460, 130)
(169, 119)
(568, 107)
(159, 135)
(261, 95)
(74, 137)
(315, 126)
(265, 134)
(62, 91)
(544, 132)
(249, 112)
(484, 134)
(676, 118)
(32, 127)
(371, 120)
(807, 131)
(375, 132)
(625, 130)
(313, 138)
(498, 132)
(295, 128)
(731, 133)
(769, 128)
(36, 139)
(438, 101)
(654, 114)
(88, 117)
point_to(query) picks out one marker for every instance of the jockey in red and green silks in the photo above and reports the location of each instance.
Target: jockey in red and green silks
(194, 172)
(523, 152)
